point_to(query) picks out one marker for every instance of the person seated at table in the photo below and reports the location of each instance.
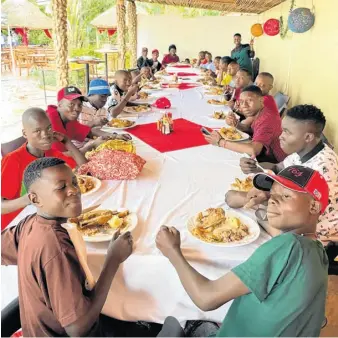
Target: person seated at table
(187, 61)
(280, 289)
(38, 132)
(217, 61)
(147, 74)
(171, 57)
(233, 68)
(122, 92)
(265, 81)
(64, 117)
(223, 78)
(301, 141)
(156, 66)
(201, 60)
(143, 60)
(209, 65)
(266, 129)
(242, 80)
(53, 298)
(94, 112)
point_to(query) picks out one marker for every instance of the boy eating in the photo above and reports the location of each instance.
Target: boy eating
(282, 286)
(266, 129)
(37, 130)
(64, 120)
(53, 298)
(301, 141)
(122, 91)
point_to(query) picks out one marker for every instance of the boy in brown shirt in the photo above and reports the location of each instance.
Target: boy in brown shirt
(52, 295)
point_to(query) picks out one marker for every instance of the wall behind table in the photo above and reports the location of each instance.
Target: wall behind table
(191, 35)
(305, 66)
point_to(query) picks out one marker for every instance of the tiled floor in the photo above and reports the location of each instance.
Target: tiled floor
(18, 94)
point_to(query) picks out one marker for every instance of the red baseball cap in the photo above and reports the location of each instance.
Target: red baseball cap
(162, 103)
(70, 93)
(297, 178)
(155, 51)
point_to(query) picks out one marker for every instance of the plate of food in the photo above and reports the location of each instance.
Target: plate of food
(88, 184)
(219, 115)
(213, 91)
(137, 109)
(243, 185)
(217, 227)
(217, 103)
(99, 225)
(233, 134)
(116, 123)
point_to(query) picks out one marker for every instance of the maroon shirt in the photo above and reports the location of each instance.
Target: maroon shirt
(267, 128)
(270, 103)
(170, 59)
(51, 279)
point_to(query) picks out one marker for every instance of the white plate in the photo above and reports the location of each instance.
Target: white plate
(130, 110)
(217, 105)
(108, 237)
(97, 184)
(254, 230)
(245, 136)
(122, 128)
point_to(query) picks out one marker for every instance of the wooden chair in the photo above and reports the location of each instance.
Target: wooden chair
(6, 61)
(23, 61)
(12, 145)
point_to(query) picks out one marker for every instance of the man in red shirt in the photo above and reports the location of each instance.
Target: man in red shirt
(265, 82)
(37, 129)
(266, 128)
(64, 120)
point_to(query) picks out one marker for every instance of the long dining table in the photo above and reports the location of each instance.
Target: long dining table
(172, 187)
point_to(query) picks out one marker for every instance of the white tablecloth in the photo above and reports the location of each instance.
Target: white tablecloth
(171, 188)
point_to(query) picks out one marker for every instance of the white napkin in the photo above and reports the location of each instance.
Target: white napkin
(81, 252)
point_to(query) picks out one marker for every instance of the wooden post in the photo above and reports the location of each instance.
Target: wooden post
(132, 32)
(121, 31)
(59, 8)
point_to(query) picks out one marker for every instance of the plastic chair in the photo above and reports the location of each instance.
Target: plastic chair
(255, 68)
(281, 101)
(12, 145)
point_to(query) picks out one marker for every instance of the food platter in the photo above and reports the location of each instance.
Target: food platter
(104, 232)
(137, 109)
(232, 134)
(120, 124)
(252, 228)
(88, 184)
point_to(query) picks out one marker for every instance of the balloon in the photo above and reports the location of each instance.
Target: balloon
(301, 20)
(256, 30)
(271, 27)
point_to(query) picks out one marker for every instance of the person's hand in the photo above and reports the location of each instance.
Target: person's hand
(168, 241)
(251, 42)
(236, 106)
(95, 143)
(248, 166)
(256, 197)
(120, 247)
(132, 90)
(231, 120)
(214, 138)
(231, 104)
(58, 137)
(124, 137)
(136, 79)
(99, 121)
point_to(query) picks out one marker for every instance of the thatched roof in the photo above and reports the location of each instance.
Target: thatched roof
(24, 14)
(241, 6)
(108, 19)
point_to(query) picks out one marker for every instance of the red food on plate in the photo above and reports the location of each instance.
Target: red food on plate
(113, 165)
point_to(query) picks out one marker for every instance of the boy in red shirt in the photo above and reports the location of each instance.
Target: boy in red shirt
(266, 128)
(38, 131)
(265, 82)
(64, 119)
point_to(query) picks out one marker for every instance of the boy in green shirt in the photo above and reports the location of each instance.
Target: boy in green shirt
(280, 290)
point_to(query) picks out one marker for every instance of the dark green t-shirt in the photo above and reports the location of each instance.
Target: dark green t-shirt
(287, 277)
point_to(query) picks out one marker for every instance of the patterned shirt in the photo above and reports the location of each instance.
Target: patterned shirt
(116, 95)
(89, 113)
(326, 162)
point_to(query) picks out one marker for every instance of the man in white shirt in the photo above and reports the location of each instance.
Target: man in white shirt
(301, 138)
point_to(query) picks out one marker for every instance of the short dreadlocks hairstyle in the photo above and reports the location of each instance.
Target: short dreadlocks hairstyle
(34, 170)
